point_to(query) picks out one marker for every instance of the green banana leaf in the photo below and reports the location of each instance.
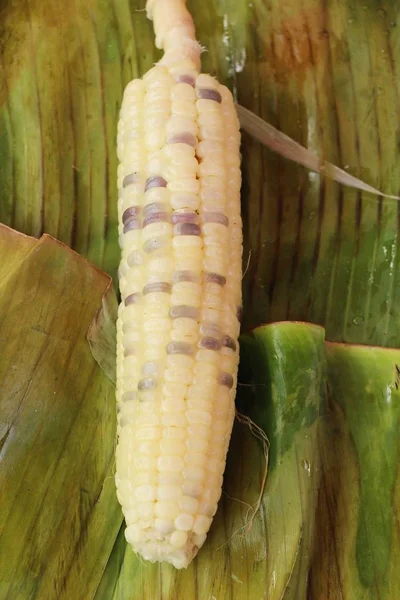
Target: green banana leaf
(358, 551)
(327, 73)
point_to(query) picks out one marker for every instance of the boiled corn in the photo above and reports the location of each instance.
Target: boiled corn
(180, 281)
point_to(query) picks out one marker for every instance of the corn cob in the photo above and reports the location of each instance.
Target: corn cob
(180, 281)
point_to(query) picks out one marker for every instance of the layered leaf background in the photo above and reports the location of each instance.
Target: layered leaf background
(58, 514)
(327, 73)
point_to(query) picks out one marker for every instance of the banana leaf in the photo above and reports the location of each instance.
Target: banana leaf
(358, 550)
(59, 515)
(327, 73)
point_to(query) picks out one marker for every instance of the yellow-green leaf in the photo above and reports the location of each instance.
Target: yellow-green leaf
(59, 515)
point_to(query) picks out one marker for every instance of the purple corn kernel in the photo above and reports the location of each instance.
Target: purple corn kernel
(159, 217)
(226, 379)
(229, 342)
(190, 276)
(159, 286)
(183, 311)
(187, 229)
(132, 299)
(210, 343)
(147, 383)
(131, 178)
(183, 138)
(209, 94)
(155, 207)
(130, 212)
(189, 79)
(129, 396)
(182, 216)
(215, 217)
(155, 181)
(215, 278)
(132, 224)
(180, 348)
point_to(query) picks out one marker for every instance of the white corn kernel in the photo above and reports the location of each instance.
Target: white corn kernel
(177, 419)
(166, 510)
(131, 516)
(164, 526)
(184, 522)
(199, 445)
(143, 478)
(168, 492)
(192, 473)
(133, 534)
(178, 390)
(188, 200)
(188, 504)
(208, 509)
(178, 539)
(174, 375)
(196, 459)
(198, 416)
(200, 404)
(148, 433)
(145, 493)
(173, 433)
(192, 488)
(201, 524)
(170, 463)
